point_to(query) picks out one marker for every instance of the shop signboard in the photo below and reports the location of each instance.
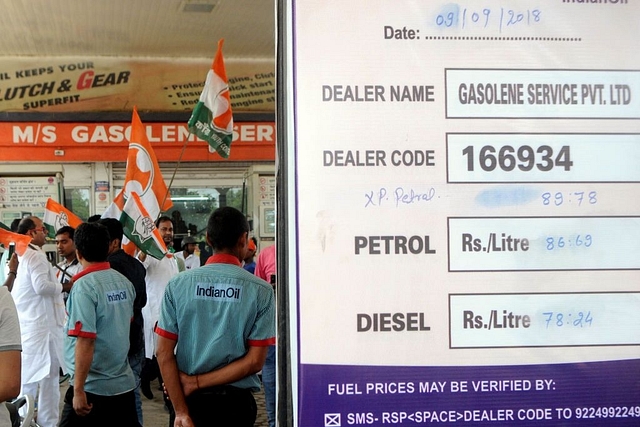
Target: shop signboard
(82, 142)
(22, 196)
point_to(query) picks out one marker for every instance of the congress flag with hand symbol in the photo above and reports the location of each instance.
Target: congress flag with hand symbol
(212, 119)
(57, 216)
(143, 174)
(143, 177)
(140, 229)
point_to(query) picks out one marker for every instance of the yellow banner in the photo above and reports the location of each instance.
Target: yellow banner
(117, 84)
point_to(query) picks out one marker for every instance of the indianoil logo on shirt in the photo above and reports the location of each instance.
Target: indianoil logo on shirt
(114, 297)
(218, 292)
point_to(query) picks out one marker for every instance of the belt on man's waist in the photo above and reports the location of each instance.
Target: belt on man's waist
(221, 390)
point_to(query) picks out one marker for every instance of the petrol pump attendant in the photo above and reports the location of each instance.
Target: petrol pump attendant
(133, 270)
(100, 308)
(219, 319)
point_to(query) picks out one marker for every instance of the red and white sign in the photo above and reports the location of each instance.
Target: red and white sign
(73, 142)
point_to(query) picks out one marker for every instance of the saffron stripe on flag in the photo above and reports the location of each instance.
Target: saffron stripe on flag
(212, 118)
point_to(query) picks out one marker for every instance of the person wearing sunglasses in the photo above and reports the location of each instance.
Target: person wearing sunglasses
(40, 305)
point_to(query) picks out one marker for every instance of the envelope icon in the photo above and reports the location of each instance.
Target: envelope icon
(332, 420)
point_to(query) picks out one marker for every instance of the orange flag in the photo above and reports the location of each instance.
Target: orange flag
(143, 175)
(56, 216)
(212, 119)
(21, 240)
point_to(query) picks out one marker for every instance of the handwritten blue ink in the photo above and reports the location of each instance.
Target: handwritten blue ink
(506, 196)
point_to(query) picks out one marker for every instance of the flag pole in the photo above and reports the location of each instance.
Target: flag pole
(175, 170)
(218, 126)
(244, 189)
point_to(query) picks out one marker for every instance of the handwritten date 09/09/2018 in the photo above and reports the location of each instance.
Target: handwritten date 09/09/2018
(398, 197)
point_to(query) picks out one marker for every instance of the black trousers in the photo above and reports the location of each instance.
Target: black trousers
(221, 406)
(107, 411)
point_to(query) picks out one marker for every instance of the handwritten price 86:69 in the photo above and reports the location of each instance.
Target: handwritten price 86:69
(562, 242)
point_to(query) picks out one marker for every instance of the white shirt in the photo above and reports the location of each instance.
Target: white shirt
(70, 268)
(38, 298)
(192, 261)
(158, 275)
(66, 272)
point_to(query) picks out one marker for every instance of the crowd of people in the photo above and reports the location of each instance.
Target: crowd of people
(113, 323)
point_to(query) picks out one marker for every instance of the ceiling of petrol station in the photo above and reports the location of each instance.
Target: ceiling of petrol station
(69, 56)
(137, 28)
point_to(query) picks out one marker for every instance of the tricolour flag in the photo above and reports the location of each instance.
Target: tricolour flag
(57, 216)
(212, 119)
(143, 175)
(139, 227)
(21, 240)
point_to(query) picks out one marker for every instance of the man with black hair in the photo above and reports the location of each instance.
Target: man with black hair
(94, 218)
(214, 329)
(158, 274)
(14, 224)
(99, 308)
(133, 270)
(67, 250)
(38, 297)
(70, 265)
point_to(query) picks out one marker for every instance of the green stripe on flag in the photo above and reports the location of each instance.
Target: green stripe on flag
(50, 230)
(147, 243)
(201, 124)
(49, 221)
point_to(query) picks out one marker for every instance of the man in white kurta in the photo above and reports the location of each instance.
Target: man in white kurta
(159, 272)
(158, 275)
(40, 306)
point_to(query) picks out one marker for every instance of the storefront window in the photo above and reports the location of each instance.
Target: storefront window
(77, 201)
(191, 210)
(192, 207)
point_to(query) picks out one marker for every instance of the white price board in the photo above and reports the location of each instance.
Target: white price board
(463, 211)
